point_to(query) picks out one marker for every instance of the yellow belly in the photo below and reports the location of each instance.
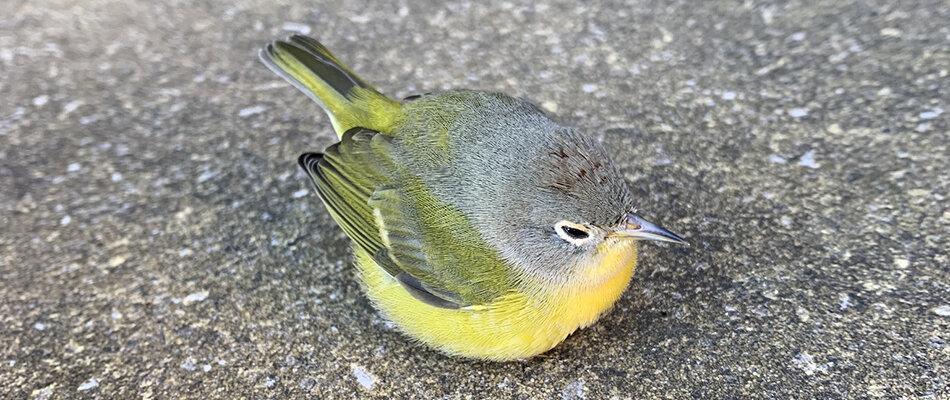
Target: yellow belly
(517, 325)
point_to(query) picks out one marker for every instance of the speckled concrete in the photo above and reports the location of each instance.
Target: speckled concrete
(158, 240)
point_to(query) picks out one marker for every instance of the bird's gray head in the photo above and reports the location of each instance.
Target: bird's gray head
(561, 201)
(545, 196)
(572, 201)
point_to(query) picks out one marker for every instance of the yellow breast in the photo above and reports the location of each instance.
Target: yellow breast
(517, 325)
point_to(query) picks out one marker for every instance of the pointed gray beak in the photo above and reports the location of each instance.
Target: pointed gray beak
(638, 228)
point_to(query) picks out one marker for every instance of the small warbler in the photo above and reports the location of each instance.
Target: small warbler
(480, 226)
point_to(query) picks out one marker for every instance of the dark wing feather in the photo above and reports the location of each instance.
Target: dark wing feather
(354, 180)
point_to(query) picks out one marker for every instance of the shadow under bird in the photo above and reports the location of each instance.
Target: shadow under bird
(480, 226)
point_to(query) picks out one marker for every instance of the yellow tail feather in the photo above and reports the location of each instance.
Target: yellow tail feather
(348, 100)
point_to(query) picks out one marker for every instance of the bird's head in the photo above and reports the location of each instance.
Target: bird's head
(573, 209)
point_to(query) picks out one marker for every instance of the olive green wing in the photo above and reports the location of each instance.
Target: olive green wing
(344, 176)
(430, 248)
(438, 246)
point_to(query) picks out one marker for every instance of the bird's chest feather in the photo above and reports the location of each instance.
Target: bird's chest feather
(595, 288)
(516, 325)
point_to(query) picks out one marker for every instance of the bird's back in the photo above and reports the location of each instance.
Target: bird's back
(462, 129)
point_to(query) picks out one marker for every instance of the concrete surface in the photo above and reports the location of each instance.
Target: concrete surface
(159, 241)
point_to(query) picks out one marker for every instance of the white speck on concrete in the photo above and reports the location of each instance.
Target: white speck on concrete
(71, 106)
(503, 384)
(41, 100)
(931, 114)
(806, 363)
(890, 32)
(803, 314)
(270, 85)
(786, 221)
(768, 15)
(728, 95)
(92, 383)
(205, 176)
(871, 286)
(901, 262)
(270, 382)
(39, 326)
(65, 220)
(844, 301)
(574, 390)
(185, 252)
(44, 393)
(296, 27)
(662, 160)
(175, 108)
(195, 297)
(363, 377)
(777, 159)
(589, 88)
(249, 111)
(838, 57)
(798, 112)
(361, 19)
(307, 383)
(118, 260)
(549, 106)
(189, 364)
(300, 193)
(943, 311)
(206, 368)
(797, 36)
(73, 167)
(808, 160)
(923, 127)
(89, 119)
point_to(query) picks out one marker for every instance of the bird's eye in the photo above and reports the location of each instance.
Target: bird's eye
(575, 234)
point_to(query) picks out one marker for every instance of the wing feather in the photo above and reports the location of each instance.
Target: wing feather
(355, 178)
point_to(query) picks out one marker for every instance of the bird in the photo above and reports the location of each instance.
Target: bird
(480, 227)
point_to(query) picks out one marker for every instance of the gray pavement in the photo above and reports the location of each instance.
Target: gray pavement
(159, 241)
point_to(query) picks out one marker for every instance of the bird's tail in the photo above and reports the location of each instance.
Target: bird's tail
(348, 100)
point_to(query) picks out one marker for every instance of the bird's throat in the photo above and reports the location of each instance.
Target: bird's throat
(597, 285)
(615, 259)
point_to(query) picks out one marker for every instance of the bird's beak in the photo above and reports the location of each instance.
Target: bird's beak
(634, 226)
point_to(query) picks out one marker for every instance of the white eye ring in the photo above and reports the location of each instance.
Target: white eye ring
(572, 233)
